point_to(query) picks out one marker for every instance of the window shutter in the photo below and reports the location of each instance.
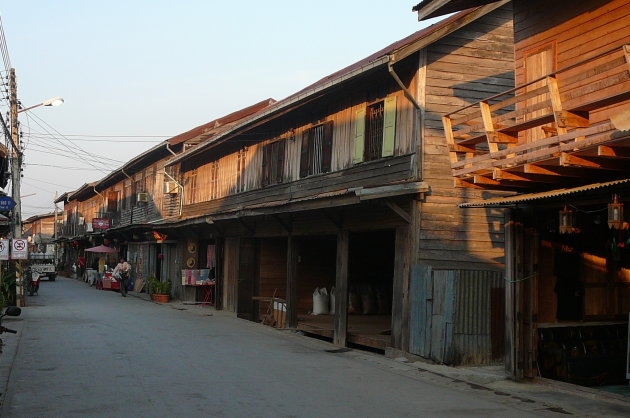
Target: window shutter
(305, 152)
(389, 126)
(280, 145)
(359, 136)
(327, 145)
(264, 178)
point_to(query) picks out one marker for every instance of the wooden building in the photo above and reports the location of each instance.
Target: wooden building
(134, 208)
(39, 230)
(560, 140)
(346, 185)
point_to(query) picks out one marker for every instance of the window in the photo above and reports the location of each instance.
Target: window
(375, 131)
(316, 152)
(214, 180)
(273, 163)
(240, 170)
(190, 186)
(112, 201)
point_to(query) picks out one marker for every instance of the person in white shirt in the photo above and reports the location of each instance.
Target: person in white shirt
(121, 273)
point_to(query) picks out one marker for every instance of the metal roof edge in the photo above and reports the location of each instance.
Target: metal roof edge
(512, 200)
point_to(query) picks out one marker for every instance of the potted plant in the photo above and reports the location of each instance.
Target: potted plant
(159, 291)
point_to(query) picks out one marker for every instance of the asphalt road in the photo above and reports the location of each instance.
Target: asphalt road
(83, 352)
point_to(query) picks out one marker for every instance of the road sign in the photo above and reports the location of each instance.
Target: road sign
(19, 249)
(4, 249)
(6, 203)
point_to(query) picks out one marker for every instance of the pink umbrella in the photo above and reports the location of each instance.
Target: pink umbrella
(101, 249)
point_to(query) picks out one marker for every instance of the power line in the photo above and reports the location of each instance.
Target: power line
(61, 166)
(94, 159)
(65, 156)
(114, 136)
(47, 182)
(39, 136)
(4, 48)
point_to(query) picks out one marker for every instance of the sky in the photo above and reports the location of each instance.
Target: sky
(135, 72)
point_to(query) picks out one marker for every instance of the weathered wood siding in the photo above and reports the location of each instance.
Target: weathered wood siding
(365, 174)
(578, 30)
(469, 65)
(218, 177)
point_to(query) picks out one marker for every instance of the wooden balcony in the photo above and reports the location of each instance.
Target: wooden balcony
(569, 127)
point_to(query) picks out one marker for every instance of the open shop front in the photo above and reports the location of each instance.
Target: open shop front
(569, 270)
(370, 281)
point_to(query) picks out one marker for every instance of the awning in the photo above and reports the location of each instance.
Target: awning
(513, 200)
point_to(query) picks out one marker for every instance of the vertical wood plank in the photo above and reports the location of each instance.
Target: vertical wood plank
(292, 299)
(341, 290)
(510, 314)
(400, 301)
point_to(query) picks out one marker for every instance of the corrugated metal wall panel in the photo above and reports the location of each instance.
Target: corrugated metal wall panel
(472, 342)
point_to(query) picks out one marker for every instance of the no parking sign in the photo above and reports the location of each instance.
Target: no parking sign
(19, 249)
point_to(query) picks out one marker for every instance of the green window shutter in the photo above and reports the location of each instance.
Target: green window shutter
(359, 136)
(389, 126)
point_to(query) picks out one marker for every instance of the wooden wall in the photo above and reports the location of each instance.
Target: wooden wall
(273, 270)
(576, 31)
(230, 273)
(469, 65)
(339, 107)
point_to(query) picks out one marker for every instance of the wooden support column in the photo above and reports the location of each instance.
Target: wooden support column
(513, 273)
(400, 299)
(341, 290)
(292, 257)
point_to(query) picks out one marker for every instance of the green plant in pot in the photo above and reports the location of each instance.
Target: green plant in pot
(160, 291)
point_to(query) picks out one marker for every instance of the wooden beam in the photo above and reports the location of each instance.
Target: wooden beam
(553, 171)
(567, 159)
(399, 211)
(250, 228)
(341, 290)
(612, 151)
(285, 226)
(292, 299)
(367, 193)
(335, 220)
(499, 174)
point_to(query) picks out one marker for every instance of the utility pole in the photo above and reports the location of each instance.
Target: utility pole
(16, 176)
(55, 230)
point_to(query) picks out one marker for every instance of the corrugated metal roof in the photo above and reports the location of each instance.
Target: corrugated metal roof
(512, 200)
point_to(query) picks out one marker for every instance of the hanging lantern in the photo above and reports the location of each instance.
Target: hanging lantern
(567, 221)
(615, 213)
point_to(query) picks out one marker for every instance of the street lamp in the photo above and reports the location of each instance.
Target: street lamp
(16, 162)
(55, 101)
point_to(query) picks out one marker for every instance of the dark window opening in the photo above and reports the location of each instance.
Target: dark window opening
(273, 163)
(374, 131)
(316, 153)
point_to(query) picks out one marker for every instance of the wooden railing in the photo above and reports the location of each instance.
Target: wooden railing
(551, 117)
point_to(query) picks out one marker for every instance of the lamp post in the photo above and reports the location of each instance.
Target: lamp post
(16, 168)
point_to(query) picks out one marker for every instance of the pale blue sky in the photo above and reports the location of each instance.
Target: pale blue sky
(159, 68)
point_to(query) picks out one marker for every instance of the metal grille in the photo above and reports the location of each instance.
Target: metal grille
(374, 131)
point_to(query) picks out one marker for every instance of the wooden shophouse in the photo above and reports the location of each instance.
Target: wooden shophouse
(133, 208)
(345, 185)
(560, 139)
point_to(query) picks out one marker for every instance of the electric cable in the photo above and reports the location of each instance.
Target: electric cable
(92, 160)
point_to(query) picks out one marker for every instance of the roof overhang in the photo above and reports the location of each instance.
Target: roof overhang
(531, 198)
(428, 9)
(387, 56)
